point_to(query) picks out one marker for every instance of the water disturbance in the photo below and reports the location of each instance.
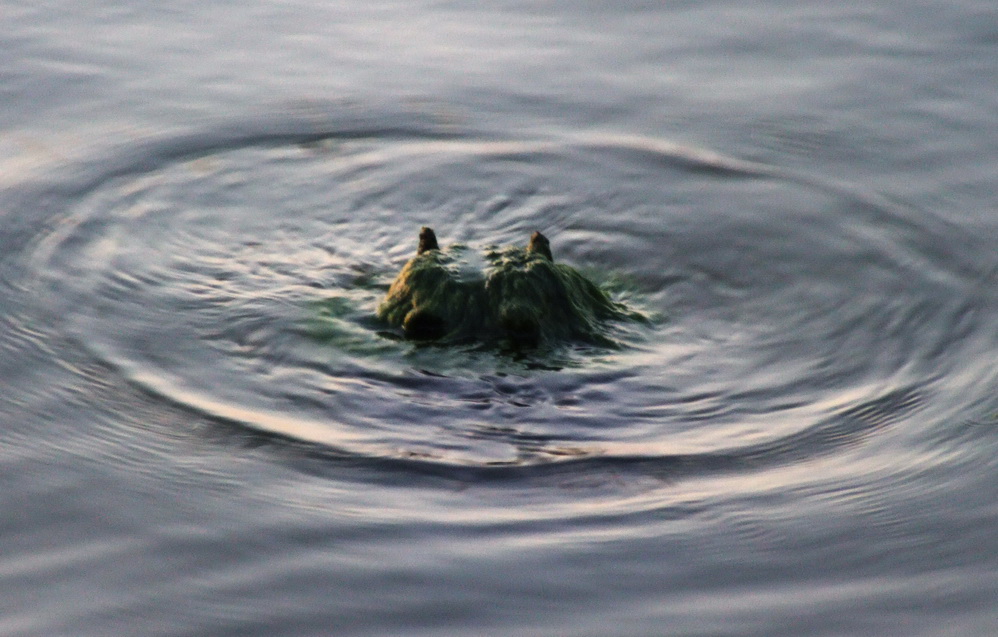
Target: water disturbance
(781, 308)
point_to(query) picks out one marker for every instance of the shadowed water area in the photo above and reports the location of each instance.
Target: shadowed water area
(784, 423)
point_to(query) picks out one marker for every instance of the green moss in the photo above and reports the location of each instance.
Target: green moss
(511, 294)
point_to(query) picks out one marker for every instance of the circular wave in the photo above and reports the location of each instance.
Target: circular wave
(236, 275)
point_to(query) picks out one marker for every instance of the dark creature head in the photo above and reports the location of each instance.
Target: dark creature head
(518, 296)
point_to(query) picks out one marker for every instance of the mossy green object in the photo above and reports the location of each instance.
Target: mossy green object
(515, 295)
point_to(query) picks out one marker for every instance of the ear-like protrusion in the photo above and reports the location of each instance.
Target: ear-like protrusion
(540, 244)
(427, 240)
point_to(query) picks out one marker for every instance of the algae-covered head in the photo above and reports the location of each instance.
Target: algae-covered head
(521, 297)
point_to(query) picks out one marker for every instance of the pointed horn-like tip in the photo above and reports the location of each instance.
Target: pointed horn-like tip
(540, 244)
(427, 240)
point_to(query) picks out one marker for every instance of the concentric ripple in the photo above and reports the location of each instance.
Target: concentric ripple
(789, 317)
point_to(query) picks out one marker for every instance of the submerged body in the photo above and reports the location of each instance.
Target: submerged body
(516, 295)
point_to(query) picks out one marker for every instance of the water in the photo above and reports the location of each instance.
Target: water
(205, 431)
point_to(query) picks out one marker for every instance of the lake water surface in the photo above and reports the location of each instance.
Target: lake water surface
(204, 430)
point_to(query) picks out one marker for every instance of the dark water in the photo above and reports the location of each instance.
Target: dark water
(204, 432)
